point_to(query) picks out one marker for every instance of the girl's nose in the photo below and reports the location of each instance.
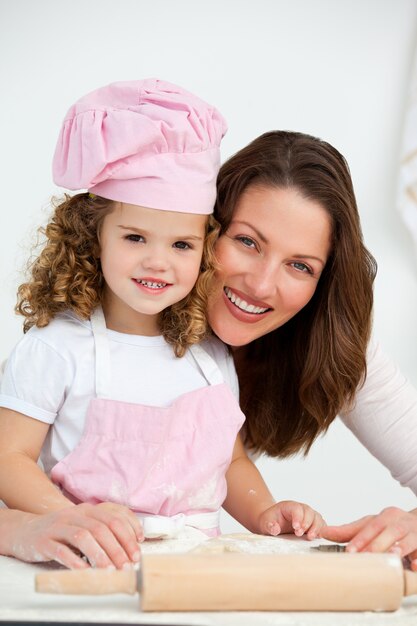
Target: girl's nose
(155, 259)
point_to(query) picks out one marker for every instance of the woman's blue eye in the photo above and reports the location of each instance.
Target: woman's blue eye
(302, 267)
(247, 241)
(182, 245)
(136, 238)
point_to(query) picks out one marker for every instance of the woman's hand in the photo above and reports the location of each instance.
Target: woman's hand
(106, 534)
(291, 517)
(392, 530)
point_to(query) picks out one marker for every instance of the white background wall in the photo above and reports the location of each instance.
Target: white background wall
(334, 68)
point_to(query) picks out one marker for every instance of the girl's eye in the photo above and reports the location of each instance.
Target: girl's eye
(135, 238)
(182, 245)
(302, 267)
(248, 242)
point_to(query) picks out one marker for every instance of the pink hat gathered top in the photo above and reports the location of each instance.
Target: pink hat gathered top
(145, 142)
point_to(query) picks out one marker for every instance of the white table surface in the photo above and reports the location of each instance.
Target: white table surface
(20, 602)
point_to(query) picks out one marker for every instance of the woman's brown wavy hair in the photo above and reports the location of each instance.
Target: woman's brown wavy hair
(296, 379)
(67, 273)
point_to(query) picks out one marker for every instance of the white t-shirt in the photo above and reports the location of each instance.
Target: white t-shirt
(50, 376)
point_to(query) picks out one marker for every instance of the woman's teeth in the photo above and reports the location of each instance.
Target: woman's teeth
(241, 304)
(151, 285)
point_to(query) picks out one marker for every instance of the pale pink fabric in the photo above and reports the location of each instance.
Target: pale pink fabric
(157, 461)
(145, 142)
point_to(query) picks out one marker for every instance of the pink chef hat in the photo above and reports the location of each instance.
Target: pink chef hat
(144, 142)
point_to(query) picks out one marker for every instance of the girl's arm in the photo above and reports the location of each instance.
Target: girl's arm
(48, 526)
(251, 503)
(247, 494)
(23, 484)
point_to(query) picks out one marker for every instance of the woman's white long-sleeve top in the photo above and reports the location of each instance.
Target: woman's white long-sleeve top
(384, 417)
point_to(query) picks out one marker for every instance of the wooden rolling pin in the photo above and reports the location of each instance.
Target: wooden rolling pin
(249, 582)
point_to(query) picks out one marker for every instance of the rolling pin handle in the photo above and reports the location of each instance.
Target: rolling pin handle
(410, 583)
(87, 581)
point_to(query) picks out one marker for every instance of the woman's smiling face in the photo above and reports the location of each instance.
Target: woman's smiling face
(270, 260)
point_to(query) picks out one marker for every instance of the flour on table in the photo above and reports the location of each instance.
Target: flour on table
(254, 544)
(186, 540)
(193, 540)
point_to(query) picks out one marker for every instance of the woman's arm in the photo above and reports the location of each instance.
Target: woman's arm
(251, 503)
(104, 534)
(392, 530)
(384, 419)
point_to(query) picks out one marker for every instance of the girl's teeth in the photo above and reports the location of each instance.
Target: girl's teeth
(242, 304)
(152, 285)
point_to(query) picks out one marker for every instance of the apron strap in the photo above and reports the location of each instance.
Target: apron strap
(208, 366)
(102, 353)
(165, 527)
(204, 361)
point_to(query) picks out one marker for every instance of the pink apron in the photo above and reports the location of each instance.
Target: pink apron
(167, 464)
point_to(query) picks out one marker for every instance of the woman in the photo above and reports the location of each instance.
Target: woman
(301, 353)
(294, 303)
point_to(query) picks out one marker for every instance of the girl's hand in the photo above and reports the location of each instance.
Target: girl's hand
(392, 530)
(291, 517)
(106, 534)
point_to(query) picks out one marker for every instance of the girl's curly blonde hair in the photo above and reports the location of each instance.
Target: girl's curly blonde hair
(67, 273)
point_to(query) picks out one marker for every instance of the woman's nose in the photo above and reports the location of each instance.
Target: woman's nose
(264, 280)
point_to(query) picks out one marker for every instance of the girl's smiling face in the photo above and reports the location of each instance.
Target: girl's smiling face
(150, 259)
(270, 260)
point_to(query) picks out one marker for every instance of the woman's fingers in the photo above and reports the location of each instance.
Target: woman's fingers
(383, 532)
(118, 511)
(85, 535)
(63, 554)
(107, 535)
(98, 544)
(113, 535)
(392, 530)
(126, 538)
(39, 538)
(344, 532)
(124, 527)
(388, 539)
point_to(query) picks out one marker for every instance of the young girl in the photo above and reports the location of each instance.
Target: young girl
(96, 387)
